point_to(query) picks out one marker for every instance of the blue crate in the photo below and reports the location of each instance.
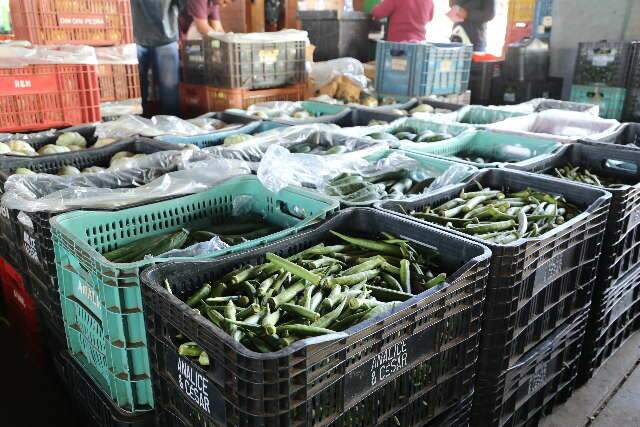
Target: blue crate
(421, 69)
(544, 9)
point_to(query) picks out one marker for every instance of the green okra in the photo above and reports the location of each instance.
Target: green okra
(294, 269)
(405, 276)
(300, 311)
(304, 330)
(189, 349)
(201, 294)
(286, 295)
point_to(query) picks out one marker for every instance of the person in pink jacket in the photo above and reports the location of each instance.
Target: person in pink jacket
(408, 19)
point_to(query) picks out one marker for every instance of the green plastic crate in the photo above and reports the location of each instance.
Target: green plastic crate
(101, 301)
(319, 108)
(478, 115)
(503, 147)
(610, 99)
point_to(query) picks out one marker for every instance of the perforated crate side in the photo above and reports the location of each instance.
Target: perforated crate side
(536, 284)
(39, 97)
(612, 319)
(322, 372)
(118, 82)
(605, 62)
(541, 379)
(85, 22)
(221, 99)
(447, 70)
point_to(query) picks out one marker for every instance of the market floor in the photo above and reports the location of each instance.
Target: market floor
(32, 395)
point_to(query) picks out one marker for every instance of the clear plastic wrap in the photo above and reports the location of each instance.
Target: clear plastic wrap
(125, 54)
(115, 109)
(559, 125)
(472, 114)
(14, 55)
(128, 126)
(421, 125)
(187, 172)
(538, 105)
(280, 168)
(5, 137)
(322, 73)
(197, 249)
(324, 135)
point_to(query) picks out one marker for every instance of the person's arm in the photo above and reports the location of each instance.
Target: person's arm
(198, 11)
(214, 19)
(383, 9)
(483, 14)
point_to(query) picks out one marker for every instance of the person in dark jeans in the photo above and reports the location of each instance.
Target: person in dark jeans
(475, 15)
(155, 29)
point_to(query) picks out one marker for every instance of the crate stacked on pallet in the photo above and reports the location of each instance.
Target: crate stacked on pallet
(106, 24)
(236, 71)
(600, 76)
(631, 111)
(44, 88)
(343, 379)
(408, 70)
(538, 295)
(520, 20)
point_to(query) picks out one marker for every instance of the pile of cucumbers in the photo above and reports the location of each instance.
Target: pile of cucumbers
(500, 217)
(321, 290)
(409, 133)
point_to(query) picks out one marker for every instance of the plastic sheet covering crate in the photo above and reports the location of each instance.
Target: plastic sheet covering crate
(562, 126)
(479, 115)
(256, 60)
(20, 312)
(539, 105)
(221, 99)
(89, 401)
(420, 69)
(38, 97)
(236, 125)
(495, 148)
(535, 284)
(612, 320)
(542, 378)
(101, 301)
(337, 34)
(319, 381)
(621, 248)
(627, 134)
(611, 100)
(544, 19)
(603, 62)
(88, 22)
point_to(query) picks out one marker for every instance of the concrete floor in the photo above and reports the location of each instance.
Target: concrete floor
(610, 399)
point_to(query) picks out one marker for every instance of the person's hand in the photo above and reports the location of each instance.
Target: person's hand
(216, 26)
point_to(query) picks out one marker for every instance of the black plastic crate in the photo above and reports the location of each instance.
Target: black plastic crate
(535, 284)
(48, 308)
(631, 111)
(484, 74)
(32, 237)
(633, 78)
(91, 402)
(542, 378)
(255, 65)
(621, 246)
(439, 329)
(612, 320)
(362, 117)
(506, 92)
(193, 63)
(627, 134)
(605, 62)
(337, 34)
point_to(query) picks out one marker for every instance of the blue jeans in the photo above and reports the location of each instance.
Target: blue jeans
(164, 61)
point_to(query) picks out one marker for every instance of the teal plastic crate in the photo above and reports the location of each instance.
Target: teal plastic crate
(502, 147)
(611, 100)
(422, 125)
(101, 301)
(217, 137)
(478, 115)
(319, 108)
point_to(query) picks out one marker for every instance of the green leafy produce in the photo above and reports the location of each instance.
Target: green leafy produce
(499, 217)
(323, 289)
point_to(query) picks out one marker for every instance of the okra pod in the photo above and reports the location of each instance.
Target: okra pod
(201, 294)
(300, 311)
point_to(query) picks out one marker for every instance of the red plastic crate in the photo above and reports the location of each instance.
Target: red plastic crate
(39, 97)
(193, 100)
(219, 99)
(118, 82)
(20, 310)
(516, 31)
(89, 22)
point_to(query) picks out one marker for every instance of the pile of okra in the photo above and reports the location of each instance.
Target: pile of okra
(583, 175)
(501, 217)
(321, 290)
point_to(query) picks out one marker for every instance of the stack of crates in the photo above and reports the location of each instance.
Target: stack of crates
(632, 105)
(601, 74)
(543, 19)
(105, 24)
(227, 71)
(408, 70)
(520, 20)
